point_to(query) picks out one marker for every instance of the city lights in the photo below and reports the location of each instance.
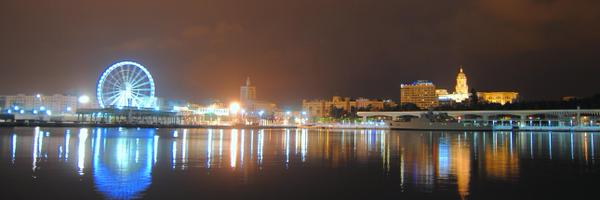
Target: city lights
(234, 107)
(300, 99)
(83, 99)
(126, 84)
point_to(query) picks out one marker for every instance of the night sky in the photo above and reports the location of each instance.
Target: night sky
(303, 49)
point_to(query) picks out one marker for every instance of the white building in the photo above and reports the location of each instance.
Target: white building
(461, 90)
(34, 104)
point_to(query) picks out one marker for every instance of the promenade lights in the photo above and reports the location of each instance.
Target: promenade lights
(530, 121)
(304, 118)
(234, 107)
(83, 99)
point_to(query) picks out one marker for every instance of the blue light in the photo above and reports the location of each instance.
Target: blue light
(22, 111)
(35, 112)
(123, 97)
(42, 108)
(16, 107)
(127, 175)
(9, 111)
(48, 112)
(69, 108)
(157, 108)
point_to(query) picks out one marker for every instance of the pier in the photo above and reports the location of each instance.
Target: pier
(530, 120)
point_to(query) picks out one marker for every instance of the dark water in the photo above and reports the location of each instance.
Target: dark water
(74, 163)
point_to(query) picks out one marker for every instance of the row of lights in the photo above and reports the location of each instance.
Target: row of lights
(83, 99)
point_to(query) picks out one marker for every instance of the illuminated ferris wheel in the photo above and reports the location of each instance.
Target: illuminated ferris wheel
(126, 84)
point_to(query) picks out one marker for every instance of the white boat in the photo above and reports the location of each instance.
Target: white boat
(424, 123)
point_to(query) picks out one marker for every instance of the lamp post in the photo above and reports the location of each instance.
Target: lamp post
(234, 107)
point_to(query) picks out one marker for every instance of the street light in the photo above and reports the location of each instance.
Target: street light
(83, 99)
(234, 107)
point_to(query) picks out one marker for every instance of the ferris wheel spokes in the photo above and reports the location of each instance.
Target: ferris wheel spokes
(126, 84)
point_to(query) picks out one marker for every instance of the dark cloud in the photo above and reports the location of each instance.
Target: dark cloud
(303, 49)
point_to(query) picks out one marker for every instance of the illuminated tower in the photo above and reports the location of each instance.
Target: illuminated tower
(461, 83)
(247, 92)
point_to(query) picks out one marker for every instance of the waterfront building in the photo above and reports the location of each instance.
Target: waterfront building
(441, 92)
(369, 104)
(57, 103)
(288, 118)
(322, 108)
(247, 92)
(461, 90)
(569, 98)
(498, 97)
(461, 83)
(250, 103)
(421, 93)
(216, 113)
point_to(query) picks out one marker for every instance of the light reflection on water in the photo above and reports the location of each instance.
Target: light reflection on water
(121, 162)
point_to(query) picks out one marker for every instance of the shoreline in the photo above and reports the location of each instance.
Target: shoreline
(90, 125)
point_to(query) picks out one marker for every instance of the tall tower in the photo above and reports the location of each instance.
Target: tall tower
(247, 92)
(461, 83)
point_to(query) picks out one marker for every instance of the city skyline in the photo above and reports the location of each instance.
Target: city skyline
(299, 99)
(303, 50)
